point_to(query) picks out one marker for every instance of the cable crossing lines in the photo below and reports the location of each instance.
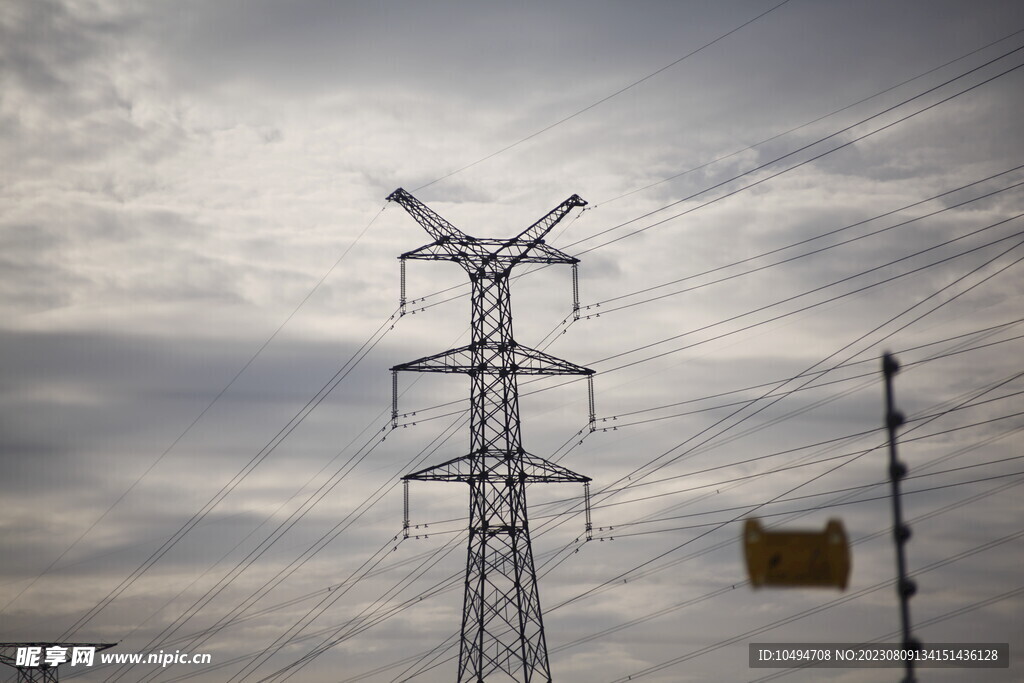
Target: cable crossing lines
(603, 99)
(809, 160)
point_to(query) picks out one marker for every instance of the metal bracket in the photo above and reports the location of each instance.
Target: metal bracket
(394, 399)
(405, 516)
(586, 504)
(575, 292)
(401, 287)
(590, 401)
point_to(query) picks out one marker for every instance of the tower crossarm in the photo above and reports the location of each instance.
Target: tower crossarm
(533, 362)
(492, 360)
(472, 468)
(442, 251)
(443, 232)
(501, 257)
(529, 247)
(513, 253)
(453, 360)
(537, 231)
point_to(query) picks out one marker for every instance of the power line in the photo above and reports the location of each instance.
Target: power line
(851, 378)
(718, 592)
(919, 317)
(799, 464)
(198, 417)
(317, 546)
(636, 471)
(808, 123)
(766, 164)
(815, 610)
(991, 330)
(256, 553)
(772, 393)
(69, 549)
(791, 258)
(602, 100)
(233, 615)
(815, 508)
(801, 149)
(832, 299)
(925, 516)
(227, 488)
(811, 306)
(960, 611)
(948, 507)
(731, 587)
(920, 421)
(805, 308)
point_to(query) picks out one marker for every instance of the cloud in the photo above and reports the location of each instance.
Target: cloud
(182, 176)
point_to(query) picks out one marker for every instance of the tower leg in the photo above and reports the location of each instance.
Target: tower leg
(502, 624)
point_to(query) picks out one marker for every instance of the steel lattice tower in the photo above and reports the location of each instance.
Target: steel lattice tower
(502, 625)
(41, 671)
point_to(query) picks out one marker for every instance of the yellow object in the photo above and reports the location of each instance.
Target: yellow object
(818, 559)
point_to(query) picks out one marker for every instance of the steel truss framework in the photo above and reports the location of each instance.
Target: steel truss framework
(43, 672)
(502, 625)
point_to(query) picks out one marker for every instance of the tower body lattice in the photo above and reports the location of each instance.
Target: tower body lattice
(502, 624)
(43, 668)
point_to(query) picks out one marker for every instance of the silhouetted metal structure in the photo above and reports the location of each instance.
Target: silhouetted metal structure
(905, 586)
(38, 662)
(502, 624)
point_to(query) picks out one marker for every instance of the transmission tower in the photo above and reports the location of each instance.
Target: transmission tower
(502, 625)
(37, 662)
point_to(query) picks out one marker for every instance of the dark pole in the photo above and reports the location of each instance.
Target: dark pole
(905, 587)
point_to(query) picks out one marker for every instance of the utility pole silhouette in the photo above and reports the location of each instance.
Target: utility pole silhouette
(502, 625)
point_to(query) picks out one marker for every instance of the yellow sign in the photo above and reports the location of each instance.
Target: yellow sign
(797, 558)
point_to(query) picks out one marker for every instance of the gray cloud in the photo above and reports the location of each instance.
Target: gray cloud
(181, 176)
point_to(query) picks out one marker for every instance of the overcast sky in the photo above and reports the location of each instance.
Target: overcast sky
(194, 243)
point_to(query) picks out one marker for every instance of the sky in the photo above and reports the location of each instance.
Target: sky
(199, 294)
